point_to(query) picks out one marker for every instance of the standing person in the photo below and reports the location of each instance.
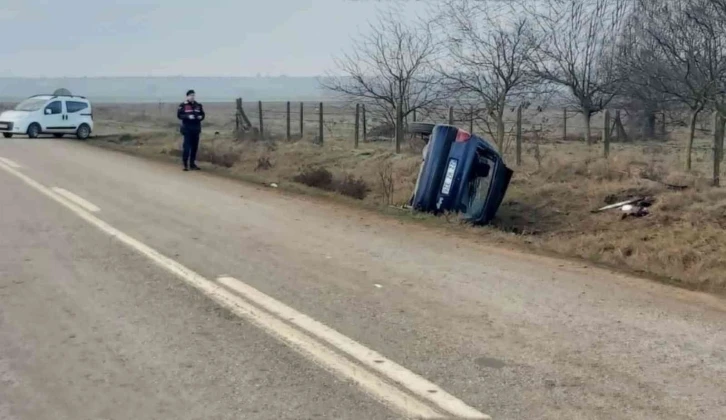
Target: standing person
(191, 114)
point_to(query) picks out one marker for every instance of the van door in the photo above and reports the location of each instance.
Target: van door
(77, 113)
(53, 117)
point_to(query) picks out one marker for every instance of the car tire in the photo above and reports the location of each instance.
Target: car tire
(83, 132)
(8, 135)
(421, 128)
(58, 135)
(34, 130)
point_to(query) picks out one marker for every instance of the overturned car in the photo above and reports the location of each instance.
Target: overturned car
(461, 172)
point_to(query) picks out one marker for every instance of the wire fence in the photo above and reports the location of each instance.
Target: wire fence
(339, 121)
(526, 131)
(356, 125)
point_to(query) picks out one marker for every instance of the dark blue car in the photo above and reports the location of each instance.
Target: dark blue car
(461, 173)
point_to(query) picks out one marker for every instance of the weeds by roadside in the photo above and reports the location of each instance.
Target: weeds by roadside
(264, 164)
(316, 177)
(321, 178)
(387, 184)
(351, 186)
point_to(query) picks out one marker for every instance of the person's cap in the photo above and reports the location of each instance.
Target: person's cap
(190, 92)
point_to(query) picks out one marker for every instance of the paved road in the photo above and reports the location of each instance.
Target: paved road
(129, 289)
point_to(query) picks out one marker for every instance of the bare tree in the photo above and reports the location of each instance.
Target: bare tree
(675, 48)
(637, 94)
(576, 40)
(709, 19)
(391, 67)
(489, 51)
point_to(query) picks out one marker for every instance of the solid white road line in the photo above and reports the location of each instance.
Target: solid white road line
(325, 357)
(399, 374)
(10, 163)
(77, 200)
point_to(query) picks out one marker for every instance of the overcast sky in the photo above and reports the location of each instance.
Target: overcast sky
(178, 37)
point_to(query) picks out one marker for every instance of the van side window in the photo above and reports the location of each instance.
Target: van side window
(75, 106)
(55, 108)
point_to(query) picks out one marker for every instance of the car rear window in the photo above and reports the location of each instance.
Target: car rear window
(75, 106)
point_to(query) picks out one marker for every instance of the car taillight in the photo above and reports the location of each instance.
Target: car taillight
(462, 136)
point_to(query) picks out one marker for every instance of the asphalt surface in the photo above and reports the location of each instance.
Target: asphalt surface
(92, 328)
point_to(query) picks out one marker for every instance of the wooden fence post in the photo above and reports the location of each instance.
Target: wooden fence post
(451, 115)
(471, 119)
(320, 124)
(241, 118)
(618, 137)
(519, 136)
(717, 132)
(663, 123)
(414, 115)
(357, 125)
(399, 125)
(365, 131)
(238, 106)
(622, 134)
(606, 134)
(302, 121)
(564, 124)
(262, 129)
(288, 120)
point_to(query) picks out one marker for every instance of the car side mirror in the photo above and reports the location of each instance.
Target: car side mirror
(48, 111)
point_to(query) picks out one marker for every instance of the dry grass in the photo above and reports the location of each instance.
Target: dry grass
(315, 177)
(321, 178)
(679, 241)
(352, 186)
(547, 208)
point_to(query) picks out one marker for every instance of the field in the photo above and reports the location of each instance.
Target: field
(549, 205)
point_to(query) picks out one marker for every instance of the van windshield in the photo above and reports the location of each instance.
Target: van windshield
(31, 104)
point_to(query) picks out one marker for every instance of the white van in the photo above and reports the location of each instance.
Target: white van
(49, 114)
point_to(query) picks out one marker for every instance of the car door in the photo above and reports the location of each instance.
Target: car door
(76, 114)
(53, 117)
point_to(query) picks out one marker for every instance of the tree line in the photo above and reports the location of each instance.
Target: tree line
(644, 56)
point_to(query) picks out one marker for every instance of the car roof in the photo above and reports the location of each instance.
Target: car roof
(48, 97)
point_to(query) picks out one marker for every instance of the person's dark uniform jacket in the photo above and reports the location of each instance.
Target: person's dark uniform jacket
(191, 115)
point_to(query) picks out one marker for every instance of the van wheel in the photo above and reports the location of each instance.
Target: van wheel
(34, 130)
(84, 132)
(8, 135)
(57, 135)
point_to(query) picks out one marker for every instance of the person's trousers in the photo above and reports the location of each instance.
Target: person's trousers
(190, 147)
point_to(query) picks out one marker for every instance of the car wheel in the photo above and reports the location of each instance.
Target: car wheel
(421, 128)
(34, 130)
(84, 132)
(58, 135)
(8, 135)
